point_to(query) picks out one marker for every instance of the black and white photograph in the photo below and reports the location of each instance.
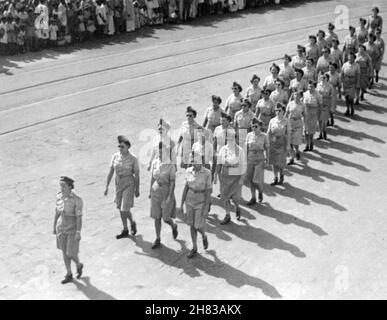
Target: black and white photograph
(212, 150)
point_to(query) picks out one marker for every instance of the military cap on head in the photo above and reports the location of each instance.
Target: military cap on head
(123, 139)
(362, 46)
(289, 58)
(226, 116)
(301, 48)
(67, 180)
(190, 109)
(363, 20)
(165, 124)
(246, 102)
(300, 71)
(216, 98)
(281, 82)
(237, 85)
(313, 37)
(321, 32)
(331, 26)
(375, 9)
(275, 66)
(266, 91)
(254, 77)
(352, 28)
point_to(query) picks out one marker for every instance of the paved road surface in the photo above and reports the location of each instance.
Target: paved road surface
(322, 235)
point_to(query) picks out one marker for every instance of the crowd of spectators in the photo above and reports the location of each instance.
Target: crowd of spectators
(33, 25)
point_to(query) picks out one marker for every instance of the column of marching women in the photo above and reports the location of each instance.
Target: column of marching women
(264, 126)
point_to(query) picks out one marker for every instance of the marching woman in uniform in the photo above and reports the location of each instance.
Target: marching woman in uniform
(312, 101)
(213, 114)
(162, 192)
(265, 109)
(287, 72)
(350, 43)
(350, 78)
(374, 53)
(127, 180)
(337, 54)
(321, 42)
(234, 101)
(254, 92)
(331, 35)
(68, 233)
(220, 135)
(299, 83)
(279, 95)
(374, 21)
(187, 137)
(324, 88)
(299, 61)
(310, 72)
(312, 49)
(382, 47)
(365, 63)
(278, 134)
(163, 136)
(196, 197)
(270, 81)
(295, 112)
(362, 32)
(242, 122)
(257, 148)
(231, 167)
(335, 81)
(323, 62)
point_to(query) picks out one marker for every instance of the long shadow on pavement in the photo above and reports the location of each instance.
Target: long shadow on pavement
(357, 117)
(338, 131)
(265, 209)
(303, 196)
(328, 159)
(317, 175)
(216, 269)
(90, 291)
(258, 236)
(343, 147)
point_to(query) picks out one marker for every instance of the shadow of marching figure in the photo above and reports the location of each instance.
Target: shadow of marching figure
(371, 107)
(90, 291)
(303, 196)
(216, 269)
(357, 117)
(265, 209)
(316, 175)
(175, 259)
(260, 237)
(338, 131)
(343, 147)
(233, 276)
(328, 159)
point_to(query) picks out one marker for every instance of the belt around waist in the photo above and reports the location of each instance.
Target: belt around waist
(296, 118)
(197, 191)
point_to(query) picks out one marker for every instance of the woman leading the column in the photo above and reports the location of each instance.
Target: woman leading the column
(350, 78)
(124, 165)
(68, 233)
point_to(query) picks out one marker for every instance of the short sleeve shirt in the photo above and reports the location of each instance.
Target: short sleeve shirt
(256, 143)
(69, 208)
(163, 173)
(124, 165)
(200, 180)
(206, 150)
(213, 117)
(220, 135)
(244, 119)
(233, 157)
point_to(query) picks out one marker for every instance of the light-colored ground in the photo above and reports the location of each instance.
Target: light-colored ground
(320, 236)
